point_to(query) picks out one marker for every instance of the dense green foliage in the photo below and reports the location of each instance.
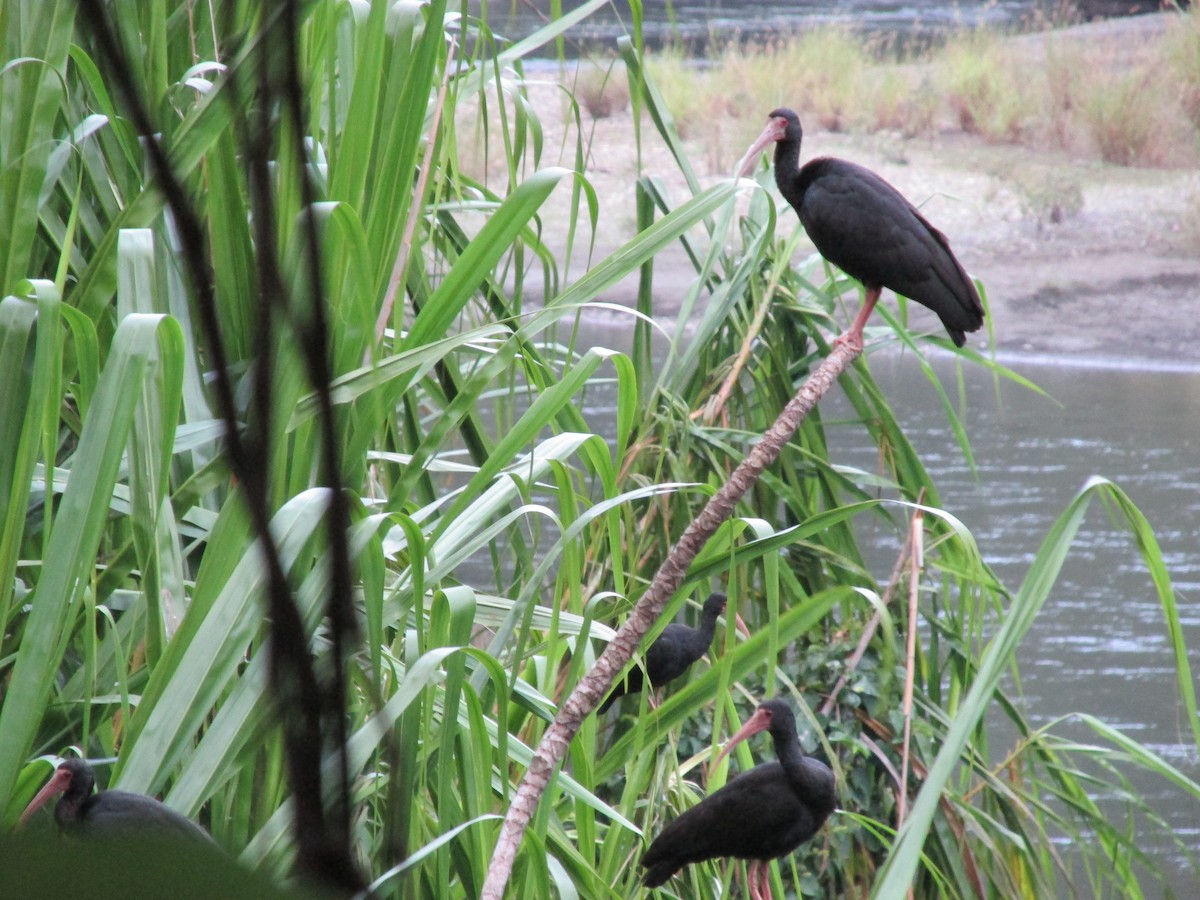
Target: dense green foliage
(514, 484)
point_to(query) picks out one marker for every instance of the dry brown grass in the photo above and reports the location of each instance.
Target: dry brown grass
(1182, 55)
(901, 101)
(978, 77)
(822, 71)
(1064, 69)
(1047, 194)
(1126, 103)
(603, 90)
(1122, 117)
(687, 92)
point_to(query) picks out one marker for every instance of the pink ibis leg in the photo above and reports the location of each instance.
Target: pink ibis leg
(764, 875)
(758, 880)
(752, 880)
(853, 337)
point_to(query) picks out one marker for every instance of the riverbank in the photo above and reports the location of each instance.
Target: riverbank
(1077, 256)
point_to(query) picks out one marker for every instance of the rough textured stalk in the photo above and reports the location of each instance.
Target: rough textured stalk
(595, 685)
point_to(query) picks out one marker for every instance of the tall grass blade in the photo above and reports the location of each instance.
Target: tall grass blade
(72, 548)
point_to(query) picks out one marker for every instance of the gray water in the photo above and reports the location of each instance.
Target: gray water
(692, 23)
(1099, 645)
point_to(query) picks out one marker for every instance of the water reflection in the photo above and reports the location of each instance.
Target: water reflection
(1100, 645)
(693, 24)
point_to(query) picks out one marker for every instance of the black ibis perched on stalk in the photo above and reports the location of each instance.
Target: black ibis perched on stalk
(108, 813)
(762, 814)
(866, 228)
(672, 653)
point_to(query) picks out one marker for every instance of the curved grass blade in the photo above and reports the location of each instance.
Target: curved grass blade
(142, 349)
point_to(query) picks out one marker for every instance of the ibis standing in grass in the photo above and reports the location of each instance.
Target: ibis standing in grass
(866, 228)
(107, 813)
(673, 652)
(762, 814)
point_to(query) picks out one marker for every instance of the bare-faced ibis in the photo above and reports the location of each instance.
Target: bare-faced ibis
(866, 228)
(108, 813)
(762, 814)
(673, 652)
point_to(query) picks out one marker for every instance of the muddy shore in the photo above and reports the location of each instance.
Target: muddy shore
(1077, 257)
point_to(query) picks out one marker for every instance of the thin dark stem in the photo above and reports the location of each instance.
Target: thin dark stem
(292, 673)
(294, 682)
(868, 635)
(314, 338)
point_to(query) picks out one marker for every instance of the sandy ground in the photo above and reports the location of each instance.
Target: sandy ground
(1077, 257)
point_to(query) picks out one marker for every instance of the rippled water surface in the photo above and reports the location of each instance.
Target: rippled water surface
(1099, 646)
(694, 22)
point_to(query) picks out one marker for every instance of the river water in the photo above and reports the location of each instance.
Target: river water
(1099, 645)
(692, 23)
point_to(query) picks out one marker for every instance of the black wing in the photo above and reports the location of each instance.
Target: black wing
(865, 227)
(756, 816)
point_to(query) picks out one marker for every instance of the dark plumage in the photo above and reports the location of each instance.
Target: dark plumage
(673, 652)
(866, 228)
(762, 814)
(108, 813)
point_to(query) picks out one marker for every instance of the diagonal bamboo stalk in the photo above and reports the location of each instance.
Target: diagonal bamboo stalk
(670, 575)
